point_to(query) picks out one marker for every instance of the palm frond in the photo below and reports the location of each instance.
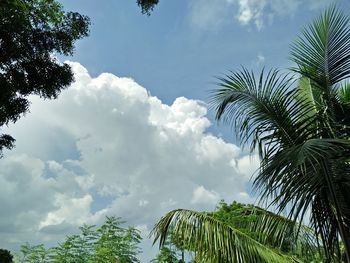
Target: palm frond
(270, 229)
(344, 92)
(215, 240)
(307, 176)
(277, 230)
(265, 112)
(306, 93)
(322, 52)
(290, 174)
(256, 108)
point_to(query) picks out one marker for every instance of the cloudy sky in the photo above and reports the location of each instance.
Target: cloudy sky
(133, 136)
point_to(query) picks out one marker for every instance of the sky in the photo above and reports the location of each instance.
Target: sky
(133, 136)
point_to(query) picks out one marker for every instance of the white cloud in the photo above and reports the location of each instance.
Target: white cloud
(211, 149)
(201, 195)
(125, 153)
(248, 165)
(75, 211)
(211, 14)
(251, 11)
(31, 190)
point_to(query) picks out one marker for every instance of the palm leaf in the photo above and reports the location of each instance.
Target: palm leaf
(322, 52)
(255, 108)
(264, 112)
(344, 92)
(313, 175)
(308, 94)
(278, 230)
(213, 239)
(272, 229)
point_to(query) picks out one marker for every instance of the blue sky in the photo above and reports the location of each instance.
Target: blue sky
(133, 136)
(172, 52)
(185, 44)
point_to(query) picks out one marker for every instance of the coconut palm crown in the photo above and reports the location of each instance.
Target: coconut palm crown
(301, 127)
(299, 122)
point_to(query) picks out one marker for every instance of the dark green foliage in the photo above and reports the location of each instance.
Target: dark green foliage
(5, 256)
(147, 5)
(32, 32)
(108, 244)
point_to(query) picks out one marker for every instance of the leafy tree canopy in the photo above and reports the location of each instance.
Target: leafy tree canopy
(32, 33)
(109, 243)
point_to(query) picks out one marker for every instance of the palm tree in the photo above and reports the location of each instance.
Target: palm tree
(300, 124)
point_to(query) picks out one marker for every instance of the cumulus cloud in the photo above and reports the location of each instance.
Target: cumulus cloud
(122, 152)
(69, 209)
(251, 11)
(209, 14)
(31, 189)
(248, 165)
(201, 195)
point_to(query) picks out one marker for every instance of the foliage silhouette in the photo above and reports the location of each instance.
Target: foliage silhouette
(147, 6)
(5, 256)
(32, 33)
